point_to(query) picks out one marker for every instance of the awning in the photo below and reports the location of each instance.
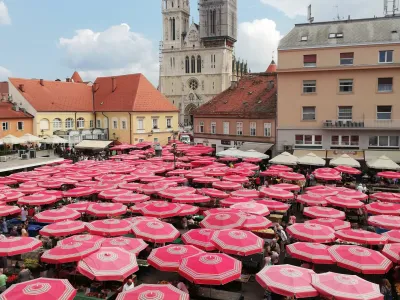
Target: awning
(356, 154)
(93, 144)
(259, 147)
(375, 154)
(304, 152)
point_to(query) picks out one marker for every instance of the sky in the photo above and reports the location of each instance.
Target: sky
(51, 39)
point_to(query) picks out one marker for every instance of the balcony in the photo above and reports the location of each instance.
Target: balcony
(393, 124)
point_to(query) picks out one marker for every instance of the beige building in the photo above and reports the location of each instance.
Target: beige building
(339, 86)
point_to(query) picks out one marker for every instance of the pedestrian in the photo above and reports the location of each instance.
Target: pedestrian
(24, 274)
(386, 289)
(23, 214)
(3, 281)
(14, 231)
(24, 231)
(4, 226)
(128, 285)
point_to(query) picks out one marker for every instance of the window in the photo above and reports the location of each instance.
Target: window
(187, 65)
(345, 112)
(80, 123)
(213, 18)
(213, 127)
(201, 127)
(20, 125)
(105, 122)
(332, 35)
(141, 140)
(385, 84)
(384, 112)
(193, 65)
(140, 124)
(309, 86)
(155, 123)
(69, 123)
(335, 35)
(44, 124)
(304, 38)
(345, 140)
(384, 141)
(57, 124)
(98, 123)
(308, 139)
(253, 128)
(212, 61)
(123, 124)
(5, 126)
(114, 122)
(155, 140)
(346, 58)
(91, 122)
(386, 56)
(345, 85)
(308, 113)
(310, 60)
(198, 64)
(239, 128)
(267, 129)
(193, 84)
(169, 123)
(226, 127)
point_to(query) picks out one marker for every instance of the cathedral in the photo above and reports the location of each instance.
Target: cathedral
(197, 60)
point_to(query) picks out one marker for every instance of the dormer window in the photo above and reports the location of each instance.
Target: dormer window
(336, 35)
(304, 38)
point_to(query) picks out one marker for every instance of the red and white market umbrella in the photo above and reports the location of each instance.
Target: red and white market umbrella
(150, 178)
(354, 194)
(155, 231)
(287, 280)
(292, 176)
(327, 174)
(69, 252)
(79, 192)
(192, 198)
(51, 184)
(194, 174)
(253, 207)
(108, 263)
(234, 200)
(132, 245)
(389, 174)
(393, 236)
(44, 288)
(8, 210)
(89, 183)
(11, 246)
(11, 195)
(8, 181)
(104, 186)
(383, 208)
(227, 186)
(385, 221)
(311, 200)
(57, 215)
(173, 192)
(79, 177)
(311, 252)
(27, 190)
(323, 212)
(168, 258)
(311, 233)
(131, 198)
(37, 199)
(205, 180)
(360, 259)
(236, 178)
(286, 187)
(361, 236)
(201, 238)
(216, 172)
(237, 242)
(392, 251)
(335, 224)
(107, 177)
(141, 218)
(254, 222)
(55, 193)
(344, 202)
(154, 187)
(214, 193)
(188, 210)
(154, 291)
(276, 193)
(386, 197)
(246, 193)
(109, 227)
(86, 238)
(80, 206)
(210, 268)
(106, 209)
(110, 194)
(223, 221)
(345, 287)
(130, 186)
(161, 209)
(221, 211)
(274, 205)
(322, 192)
(63, 228)
(347, 170)
(281, 168)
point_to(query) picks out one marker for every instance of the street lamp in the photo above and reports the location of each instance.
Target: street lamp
(174, 152)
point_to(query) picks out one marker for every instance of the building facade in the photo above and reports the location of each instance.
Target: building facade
(196, 61)
(242, 116)
(14, 121)
(338, 86)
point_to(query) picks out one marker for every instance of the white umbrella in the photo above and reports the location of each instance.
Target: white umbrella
(54, 139)
(383, 163)
(344, 160)
(11, 140)
(29, 138)
(311, 160)
(231, 152)
(254, 154)
(284, 158)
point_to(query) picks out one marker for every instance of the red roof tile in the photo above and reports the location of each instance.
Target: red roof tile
(254, 96)
(131, 93)
(76, 77)
(7, 112)
(55, 95)
(271, 67)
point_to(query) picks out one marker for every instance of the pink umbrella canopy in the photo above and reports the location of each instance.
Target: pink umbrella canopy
(8, 210)
(386, 197)
(201, 238)
(392, 251)
(11, 246)
(292, 176)
(353, 194)
(221, 210)
(286, 186)
(109, 227)
(108, 263)
(69, 252)
(362, 237)
(274, 205)
(155, 231)
(389, 174)
(327, 174)
(205, 180)
(37, 199)
(236, 178)
(287, 280)
(345, 287)
(106, 209)
(323, 212)
(237, 242)
(150, 178)
(254, 222)
(173, 192)
(276, 193)
(227, 186)
(168, 258)
(132, 245)
(51, 184)
(234, 200)
(192, 198)
(161, 209)
(360, 259)
(322, 192)
(280, 168)
(311, 233)
(105, 186)
(30, 189)
(246, 193)
(385, 221)
(154, 291)
(131, 198)
(57, 215)
(155, 187)
(86, 238)
(89, 183)
(79, 192)
(344, 202)
(55, 193)
(223, 221)
(311, 200)
(63, 228)
(335, 224)
(347, 170)
(383, 208)
(210, 269)
(214, 193)
(311, 252)
(130, 186)
(8, 180)
(216, 172)
(11, 195)
(393, 236)
(80, 206)
(79, 177)
(194, 174)
(44, 288)
(253, 207)
(110, 194)
(188, 210)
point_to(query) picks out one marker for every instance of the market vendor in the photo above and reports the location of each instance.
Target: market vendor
(128, 285)
(3, 281)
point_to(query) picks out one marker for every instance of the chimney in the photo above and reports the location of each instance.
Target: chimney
(41, 82)
(22, 87)
(114, 84)
(95, 87)
(68, 79)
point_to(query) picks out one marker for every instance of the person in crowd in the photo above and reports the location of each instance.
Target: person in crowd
(386, 289)
(24, 274)
(274, 258)
(4, 226)
(24, 231)
(128, 285)
(267, 261)
(257, 182)
(360, 188)
(23, 214)
(283, 237)
(184, 223)
(14, 231)
(3, 281)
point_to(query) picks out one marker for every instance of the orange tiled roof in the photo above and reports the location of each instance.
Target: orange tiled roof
(55, 95)
(271, 67)
(132, 93)
(76, 77)
(255, 96)
(7, 112)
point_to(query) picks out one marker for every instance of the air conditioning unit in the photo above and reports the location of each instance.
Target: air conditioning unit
(24, 156)
(328, 123)
(3, 158)
(287, 148)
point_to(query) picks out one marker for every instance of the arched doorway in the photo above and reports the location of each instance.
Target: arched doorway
(189, 114)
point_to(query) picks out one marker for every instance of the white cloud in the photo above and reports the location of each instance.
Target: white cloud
(4, 16)
(325, 10)
(4, 74)
(115, 51)
(257, 40)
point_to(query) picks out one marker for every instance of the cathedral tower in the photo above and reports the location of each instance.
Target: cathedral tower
(176, 14)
